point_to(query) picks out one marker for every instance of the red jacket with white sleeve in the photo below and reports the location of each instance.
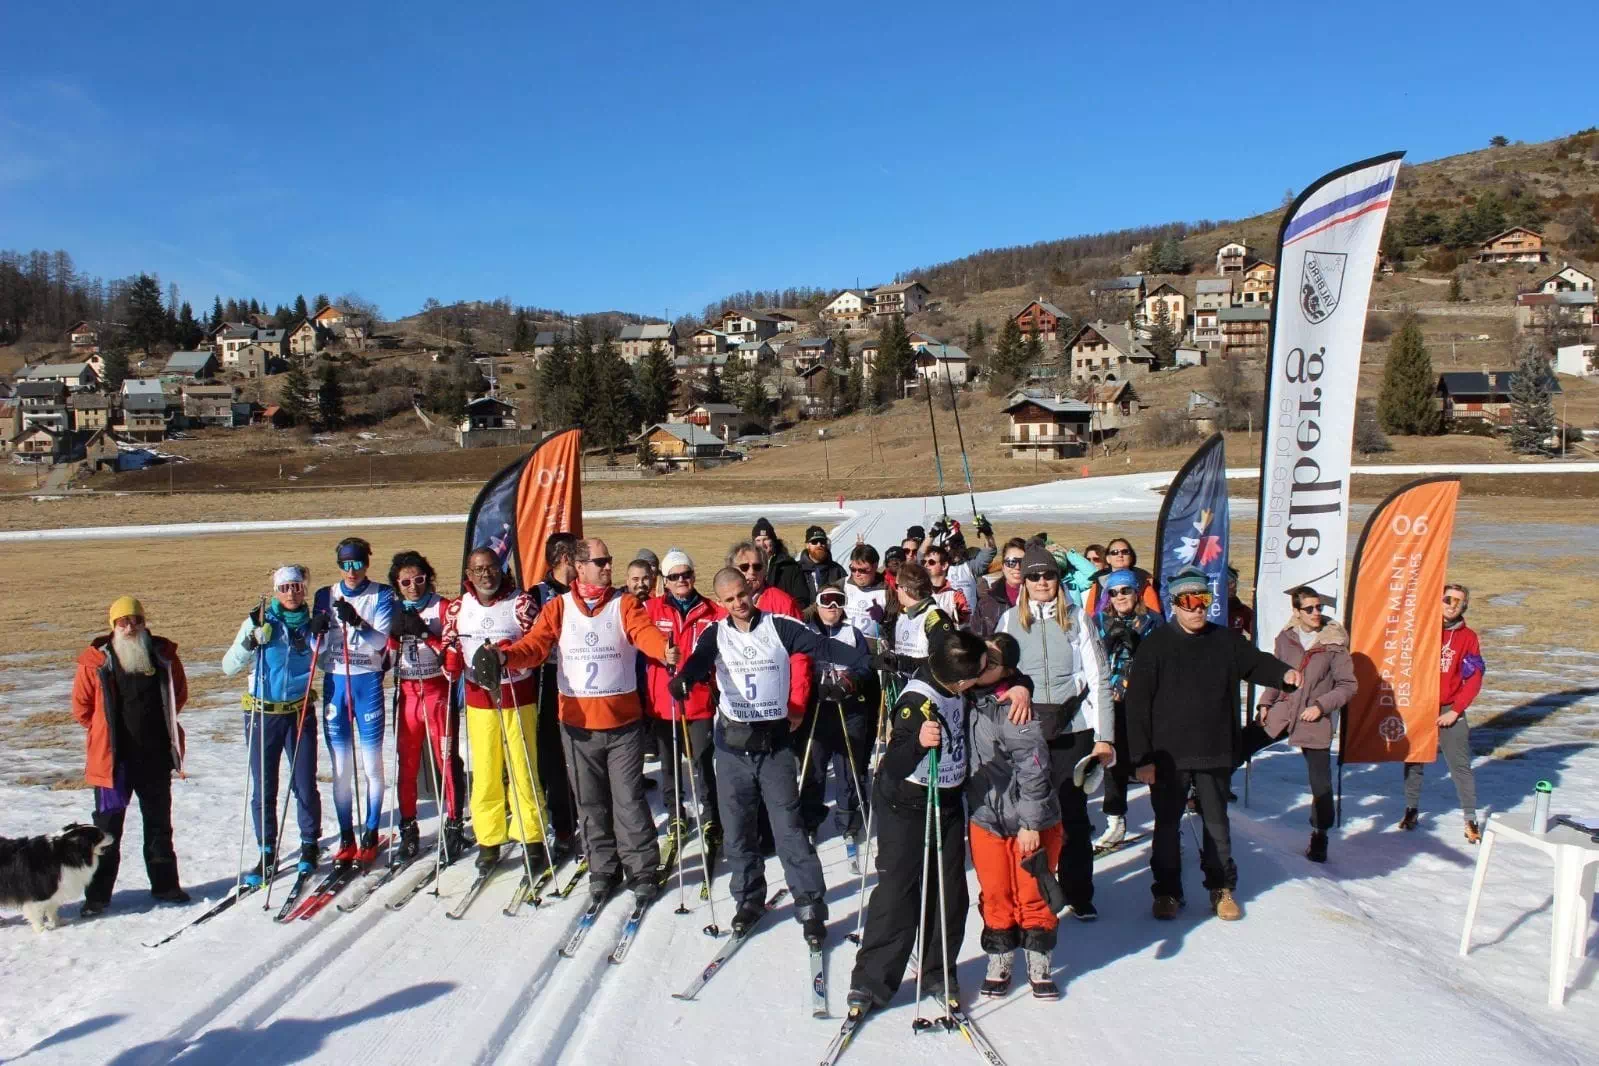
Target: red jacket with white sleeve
(1461, 667)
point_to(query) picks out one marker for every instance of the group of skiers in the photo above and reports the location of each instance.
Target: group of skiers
(948, 705)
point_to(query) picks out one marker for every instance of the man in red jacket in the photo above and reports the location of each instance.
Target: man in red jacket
(682, 615)
(1461, 669)
(755, 565)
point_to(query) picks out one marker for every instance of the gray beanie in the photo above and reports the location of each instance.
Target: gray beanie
(1188, 579)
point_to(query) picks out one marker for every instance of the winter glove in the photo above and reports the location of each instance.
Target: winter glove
(886, 661)
(486, 667)
(984, 528)
(319, 624)
(1037, 864)
(875, 612)
(836, 688)
(678, 687)
(347, 614)
(258, 636)
(939, 531)
(409, 624)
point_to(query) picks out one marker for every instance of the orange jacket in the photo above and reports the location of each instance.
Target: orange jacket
(89, 688)
(589, 712)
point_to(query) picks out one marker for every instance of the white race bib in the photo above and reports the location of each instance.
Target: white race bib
(858, 604)
(952, 759)
(751, 672)
(596, 657)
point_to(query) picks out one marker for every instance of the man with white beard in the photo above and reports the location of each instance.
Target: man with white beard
(127, 694)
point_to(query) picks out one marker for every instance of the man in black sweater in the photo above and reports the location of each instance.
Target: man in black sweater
(1183, 731)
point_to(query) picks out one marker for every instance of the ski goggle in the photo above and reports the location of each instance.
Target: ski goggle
(830, 600)
(296, 588)
(350, 566)
(1193, 601)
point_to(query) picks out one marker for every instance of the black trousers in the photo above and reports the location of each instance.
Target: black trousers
(891, 914)
(701, 761)
(551, 757)
(1075, 870)
(1169, 796)
(1118, 776)
(153, 787)
(1318, 767)
(829, 749)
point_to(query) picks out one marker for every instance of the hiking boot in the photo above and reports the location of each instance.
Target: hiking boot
(1115, 832)
(1317, 852)
(171, 895)
(1473, 833)
(1083, 912)
(1224, 905)
(310, 854)
(92, 908)
(1166, 907)
(815, 932)
(996, 982)
(488, 857)
(367, 854)
(1039, 975)
(1411, 819)
(747, 915)
(410, 840)
(346, 852)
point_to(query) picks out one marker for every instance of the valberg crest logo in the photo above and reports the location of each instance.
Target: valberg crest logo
(1321, 285)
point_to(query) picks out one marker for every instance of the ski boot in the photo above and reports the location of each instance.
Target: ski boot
(367, 854)
(996, 982)
(488, 857)
(1317, 852)
(455, 840)
(347, 850)
(258, 874)
(815, 932)
(1115, 832)
(1039, 975)
(600, 889)
(859, 1000)
(713, 835)
(1411, 819)
(646, 891)
(749, 912)
(410, 841)
(310, 854)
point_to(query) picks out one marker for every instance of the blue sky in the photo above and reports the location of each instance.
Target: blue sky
(657, 156)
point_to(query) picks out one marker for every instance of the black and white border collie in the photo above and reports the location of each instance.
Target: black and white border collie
(39, 874)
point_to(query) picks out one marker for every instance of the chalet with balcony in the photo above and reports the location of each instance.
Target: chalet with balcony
(899, 299)
(1518, 244)
(683, 444)
(42, 403)
(1484, 396)
(1047, 425)
(1043, 319)
(302, 338)
(744, 327)
(1245, 331)
(1207, 328)
(1106, 352)
(1232, 257)
(330, 318)
(725, 420)
(850, 307)
(144, 410)
(1260, 278)
(208, 405)
(84, 338)
(753, 353)
(1213, 293)
(787, 321)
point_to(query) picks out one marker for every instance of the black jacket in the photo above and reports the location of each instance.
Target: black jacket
(783, 572)
(1182, 696)
(817, 574)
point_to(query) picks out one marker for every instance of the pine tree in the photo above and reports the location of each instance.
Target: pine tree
(188, 334)
(714, 392)
(555, 398)
(1532, 411)
(116, 371)
(843, 358)
(255, 307)
(295, 395)
(302, 311)
(977, 340)
(656, 384)
(1457, 293)
(1010, 357)
(322, 303)
(216, 312)
(1033, 355)
(330, 397)
(147, 318)
(1162, 341)
(613, 411)
(522, 341)
(1407, 402)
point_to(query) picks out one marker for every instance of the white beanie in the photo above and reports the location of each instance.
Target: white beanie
(675, 560)
(283, 575)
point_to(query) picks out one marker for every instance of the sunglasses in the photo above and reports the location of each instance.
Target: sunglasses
(1013, 562)
(485, 570)
(350, 566)
(820, 540)
(1121, 592)
(1043, 577)
(1310, 608)
(751, 568)
(862, 569)
(1193, 601)
(681, 575)
(412, 582)
(1453, 601)
(830, 601)
(601, 563)
(1119, 551)
(292, 586)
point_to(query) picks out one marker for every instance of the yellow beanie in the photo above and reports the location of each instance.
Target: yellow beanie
(125, 606)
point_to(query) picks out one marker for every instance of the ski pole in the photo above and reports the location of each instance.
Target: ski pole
(871, 812)
(294, 760)
(849, 757)
(805, 763)
(938, 464)
(676, 826)
(355, 738)
(943, 903)
(961, 437)
(920, 1024)
(394, 728)
(546, 824)
(244, 816)
(454, 703)
(435, 773)
(712, 930)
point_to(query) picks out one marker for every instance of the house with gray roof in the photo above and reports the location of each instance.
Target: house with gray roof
(191, 366)
(636, 341)
(1106, 352)
(683, 444)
